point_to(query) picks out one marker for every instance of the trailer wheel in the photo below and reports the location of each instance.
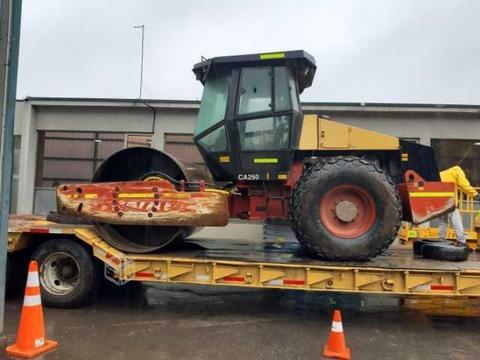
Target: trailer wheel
(66, 272)
(345, 208)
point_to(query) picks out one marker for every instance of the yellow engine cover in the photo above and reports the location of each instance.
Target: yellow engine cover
(321, 134)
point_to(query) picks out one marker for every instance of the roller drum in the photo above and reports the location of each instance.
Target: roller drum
(140, 163)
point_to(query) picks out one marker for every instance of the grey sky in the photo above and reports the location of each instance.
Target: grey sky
(373, 51)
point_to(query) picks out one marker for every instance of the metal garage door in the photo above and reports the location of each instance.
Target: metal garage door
(69, 156)
(182, 147)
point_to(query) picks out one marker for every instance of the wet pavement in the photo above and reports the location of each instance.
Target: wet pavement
(179, 322)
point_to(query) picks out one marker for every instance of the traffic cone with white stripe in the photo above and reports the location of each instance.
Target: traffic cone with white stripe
(336, 347)
(31, 331)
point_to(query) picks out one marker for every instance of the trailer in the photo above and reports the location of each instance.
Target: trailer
(69, 254)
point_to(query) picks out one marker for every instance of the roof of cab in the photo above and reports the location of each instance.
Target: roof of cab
(300, 61)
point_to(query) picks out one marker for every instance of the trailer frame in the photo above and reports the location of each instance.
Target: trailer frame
(396, 272)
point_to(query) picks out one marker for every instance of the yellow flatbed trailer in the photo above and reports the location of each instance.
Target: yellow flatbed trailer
(278, 265)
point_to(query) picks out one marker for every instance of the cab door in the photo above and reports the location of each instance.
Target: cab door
(265, 122)
(211, 128)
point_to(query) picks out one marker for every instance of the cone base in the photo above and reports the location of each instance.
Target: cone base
(13, 350)
(346, 354)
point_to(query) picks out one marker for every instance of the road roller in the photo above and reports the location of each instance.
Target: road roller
(344, 190)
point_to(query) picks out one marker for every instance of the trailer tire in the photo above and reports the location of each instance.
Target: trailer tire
(66, 271)
(364, 224)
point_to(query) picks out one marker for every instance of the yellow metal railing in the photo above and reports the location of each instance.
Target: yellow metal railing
(470, 211)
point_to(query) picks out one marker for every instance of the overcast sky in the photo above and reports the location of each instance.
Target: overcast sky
(373, 51)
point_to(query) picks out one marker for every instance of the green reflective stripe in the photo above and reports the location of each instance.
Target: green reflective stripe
(272, 56)
(265, 160)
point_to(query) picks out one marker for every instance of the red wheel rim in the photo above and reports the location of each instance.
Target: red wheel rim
(347, 211)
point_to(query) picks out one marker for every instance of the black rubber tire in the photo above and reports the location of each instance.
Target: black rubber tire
(291, 204)
(445, 252)
(323, 176)
(418, 244)
(86, 272)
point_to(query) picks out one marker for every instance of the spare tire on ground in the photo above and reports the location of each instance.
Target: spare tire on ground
(445, 252)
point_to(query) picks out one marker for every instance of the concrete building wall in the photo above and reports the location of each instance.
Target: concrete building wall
(25, 128)
(425, 122)
(93, 118)
(181, 121)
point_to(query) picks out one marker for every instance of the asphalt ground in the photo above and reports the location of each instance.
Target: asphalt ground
(196, 322)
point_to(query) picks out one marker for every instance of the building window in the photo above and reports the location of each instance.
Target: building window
(134, 140)
(67, 157)
(464, 153)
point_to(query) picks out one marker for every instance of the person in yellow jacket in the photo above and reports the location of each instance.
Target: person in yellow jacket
(456, 175)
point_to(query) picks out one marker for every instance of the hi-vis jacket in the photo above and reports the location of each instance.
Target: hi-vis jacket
(456, 175)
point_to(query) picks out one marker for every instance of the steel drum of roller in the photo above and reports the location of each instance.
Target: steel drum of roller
(140, 163)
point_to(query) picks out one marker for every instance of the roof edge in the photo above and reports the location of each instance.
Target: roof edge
(308, 104)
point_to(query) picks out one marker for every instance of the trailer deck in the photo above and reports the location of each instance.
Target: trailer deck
(279, 264)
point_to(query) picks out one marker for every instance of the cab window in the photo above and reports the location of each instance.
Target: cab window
(255, 90)
(213, 104)
(270, 133)
(292, 86)
(215, 141)
(282, 89)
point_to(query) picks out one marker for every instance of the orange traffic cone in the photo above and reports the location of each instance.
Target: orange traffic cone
(31, 331)
(336, 347)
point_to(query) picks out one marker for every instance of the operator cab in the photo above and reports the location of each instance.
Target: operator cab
(250, 118)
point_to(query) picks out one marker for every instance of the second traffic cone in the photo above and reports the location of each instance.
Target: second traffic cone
(336, 347)
(31, 331)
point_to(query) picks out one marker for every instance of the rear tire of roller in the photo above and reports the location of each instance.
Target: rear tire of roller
(366, 188)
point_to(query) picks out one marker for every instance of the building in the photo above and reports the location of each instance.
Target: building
(64, 139)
